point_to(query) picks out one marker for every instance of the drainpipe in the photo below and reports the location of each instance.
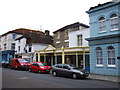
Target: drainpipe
(63, 55)
(83, 60)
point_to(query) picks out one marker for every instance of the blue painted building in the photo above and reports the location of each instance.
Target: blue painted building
(104, 39)
(6, 55)
(0, 56)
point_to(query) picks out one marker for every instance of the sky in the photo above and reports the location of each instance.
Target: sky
(44, 14)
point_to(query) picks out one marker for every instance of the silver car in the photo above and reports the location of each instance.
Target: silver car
(69, 70)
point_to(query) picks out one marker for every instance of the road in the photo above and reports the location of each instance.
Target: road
(24, 79)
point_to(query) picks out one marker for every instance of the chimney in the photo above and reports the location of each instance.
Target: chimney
(47, 32)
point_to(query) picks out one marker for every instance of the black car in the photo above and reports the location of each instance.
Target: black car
(5, 64)
(69, 70)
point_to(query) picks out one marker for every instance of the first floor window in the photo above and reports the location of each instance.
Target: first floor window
(111, 56)
(13, 46)
(102, 24)
(79, 40)
(30, 48)
(99, 59)
(114, 22)
(4, 46)
(18, 48)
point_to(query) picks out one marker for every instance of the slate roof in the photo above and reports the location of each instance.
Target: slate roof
(106, 4)
(32, 36)
(99, 5)
(72, 26)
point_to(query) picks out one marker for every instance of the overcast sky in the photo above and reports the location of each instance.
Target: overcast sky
(43, 14)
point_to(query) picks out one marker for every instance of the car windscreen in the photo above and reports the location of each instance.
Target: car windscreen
(73, 67)
(22, 61)
(42, 64)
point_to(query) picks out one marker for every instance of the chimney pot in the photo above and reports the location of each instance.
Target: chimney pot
(47, 32)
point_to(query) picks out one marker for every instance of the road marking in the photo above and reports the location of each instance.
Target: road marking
(24, 78)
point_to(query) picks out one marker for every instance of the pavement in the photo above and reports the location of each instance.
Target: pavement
(104, 77)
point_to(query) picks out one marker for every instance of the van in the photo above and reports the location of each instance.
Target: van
(19, 63)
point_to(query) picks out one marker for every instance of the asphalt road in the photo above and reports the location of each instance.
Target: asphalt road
(24, 79)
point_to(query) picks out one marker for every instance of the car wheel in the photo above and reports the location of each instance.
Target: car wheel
(54, 74)
(39, 71)
(30, 70)
(74, 76)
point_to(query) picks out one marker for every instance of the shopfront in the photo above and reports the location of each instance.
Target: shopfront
(77, 56)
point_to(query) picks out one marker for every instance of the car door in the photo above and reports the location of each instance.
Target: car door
(36, 67)
(66, 70)
(33, 66)
(59, 69)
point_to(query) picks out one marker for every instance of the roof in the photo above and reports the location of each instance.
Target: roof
(32, 36)
(104, 5)
(22, 31)
(99, 5)
(72, 26)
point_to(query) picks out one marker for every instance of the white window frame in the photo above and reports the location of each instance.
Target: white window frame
(104, 26)
(57, 42)
(58, 36)
(98, 51)
(113, 24)
(5, 46)
(79, 39)
(112, 50)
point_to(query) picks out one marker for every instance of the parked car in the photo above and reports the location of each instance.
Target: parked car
(69, 70)
(19, 63)
(39, 67)
(5, 64)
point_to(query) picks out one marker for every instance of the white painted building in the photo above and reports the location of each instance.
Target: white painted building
(27, 50)
(30, 42)
(7, 41)
(23, 42)
(77, 38)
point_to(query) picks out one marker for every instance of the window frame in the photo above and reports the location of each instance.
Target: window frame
(14, 36)
(13, 46)
(58, 34)
(5, 46)
(112, 18)
(102, 26)
(109, 51)
(98, 53)
(79, 40)
(18, 48)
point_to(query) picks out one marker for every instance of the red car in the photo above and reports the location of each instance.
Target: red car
(39, 67)
(19, 63)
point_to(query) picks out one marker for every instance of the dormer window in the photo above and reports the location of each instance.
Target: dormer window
(114, 22)
(14, 36)
(102, 25)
